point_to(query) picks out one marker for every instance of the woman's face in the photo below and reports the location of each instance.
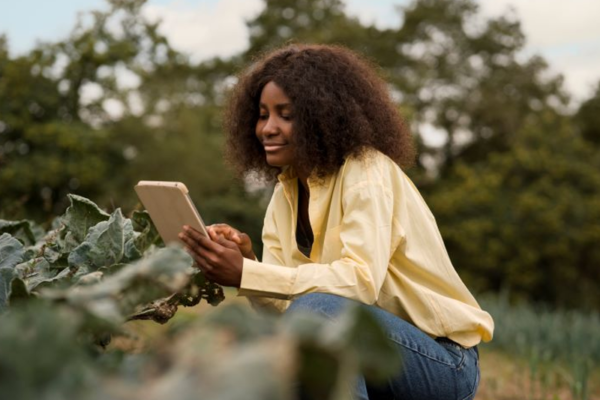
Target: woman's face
(274, 126)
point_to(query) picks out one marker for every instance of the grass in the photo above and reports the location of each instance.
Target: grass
(539, 353)
(507, 377)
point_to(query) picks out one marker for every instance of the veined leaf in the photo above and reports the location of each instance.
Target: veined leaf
(6, 277)
(104, 244)
(36, 271)
(148, 234)
(24, 230)
(11, 254)
(81, 216)
(116, 296)
(11, 251)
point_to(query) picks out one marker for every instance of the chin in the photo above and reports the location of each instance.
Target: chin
(280, 162)
(276, 163)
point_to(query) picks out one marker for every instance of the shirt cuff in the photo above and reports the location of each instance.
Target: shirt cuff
(259, 279)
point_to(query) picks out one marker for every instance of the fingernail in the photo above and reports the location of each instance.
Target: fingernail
(186, 228)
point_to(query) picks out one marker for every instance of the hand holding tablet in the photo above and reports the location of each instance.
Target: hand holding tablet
(218, 254)
(170, 208)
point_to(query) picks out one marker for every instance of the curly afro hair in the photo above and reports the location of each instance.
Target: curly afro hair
(341, 109)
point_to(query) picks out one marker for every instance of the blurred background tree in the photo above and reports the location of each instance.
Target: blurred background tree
(514, 183)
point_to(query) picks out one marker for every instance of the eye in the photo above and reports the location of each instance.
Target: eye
(263, 117)
(286, 117)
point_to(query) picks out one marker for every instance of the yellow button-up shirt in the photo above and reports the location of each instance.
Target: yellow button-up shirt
(375, 241)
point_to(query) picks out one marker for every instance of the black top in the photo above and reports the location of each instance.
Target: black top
(304, 235)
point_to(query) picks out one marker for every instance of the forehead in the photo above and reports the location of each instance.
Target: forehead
(273, 94)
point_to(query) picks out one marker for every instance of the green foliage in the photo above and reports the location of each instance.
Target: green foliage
(42, 355)
(448, 67)
(555, 343)
(525, 219)
(234, 353)
(588, 118)
(66, 293)
(105, 266)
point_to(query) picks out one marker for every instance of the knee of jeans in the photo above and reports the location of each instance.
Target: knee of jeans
(324, 304)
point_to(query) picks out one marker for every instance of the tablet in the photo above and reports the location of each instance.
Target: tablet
(170, 208)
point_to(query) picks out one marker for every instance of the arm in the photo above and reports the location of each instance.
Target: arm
(222, 259)
(272, 255)
(365, 233)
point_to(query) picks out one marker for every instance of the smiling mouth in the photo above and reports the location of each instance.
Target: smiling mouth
(273, 147)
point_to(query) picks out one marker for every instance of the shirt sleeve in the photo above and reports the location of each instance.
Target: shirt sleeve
(272, 255)
(365, 233)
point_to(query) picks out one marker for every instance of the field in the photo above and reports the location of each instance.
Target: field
(537, 353)
(507, 377)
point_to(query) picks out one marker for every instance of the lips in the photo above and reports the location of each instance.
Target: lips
(270, 147)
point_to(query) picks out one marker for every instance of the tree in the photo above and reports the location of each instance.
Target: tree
(57, 140)
(447, 68)
(466, 82)
(45, 150)
(588, 118)
(526, 219)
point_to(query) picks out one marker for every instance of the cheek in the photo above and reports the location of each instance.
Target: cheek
(288, 131)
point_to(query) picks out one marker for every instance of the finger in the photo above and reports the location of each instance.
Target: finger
(188, 243)
(210, 257)
(244, 237)
(220, 228)
(202, 240)
(215, 235)
(202, 264)
(228, 231)
(191, 247)
(227, 243)
(197, 251)
(193, 232)
(236, 238)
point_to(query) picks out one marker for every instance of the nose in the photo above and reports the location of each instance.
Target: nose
(270, 128)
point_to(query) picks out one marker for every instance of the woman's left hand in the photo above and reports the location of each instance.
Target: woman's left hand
(220, 259)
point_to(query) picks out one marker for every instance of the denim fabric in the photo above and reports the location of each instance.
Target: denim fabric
(432, 369)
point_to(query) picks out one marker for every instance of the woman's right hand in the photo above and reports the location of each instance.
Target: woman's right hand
(242, 240)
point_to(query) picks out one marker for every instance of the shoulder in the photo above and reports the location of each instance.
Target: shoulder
(372, 167)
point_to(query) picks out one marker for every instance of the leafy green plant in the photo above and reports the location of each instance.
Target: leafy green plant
(65, 293)
(105, 265)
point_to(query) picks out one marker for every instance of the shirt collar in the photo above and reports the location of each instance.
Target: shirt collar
(287, 174)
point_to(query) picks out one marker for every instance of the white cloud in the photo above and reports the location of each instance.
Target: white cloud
(206, 30)
(549, 23)
(566, 33)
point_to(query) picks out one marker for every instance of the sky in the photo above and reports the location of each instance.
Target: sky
(565, 33)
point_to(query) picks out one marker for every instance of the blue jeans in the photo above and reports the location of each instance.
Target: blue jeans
(432, 368)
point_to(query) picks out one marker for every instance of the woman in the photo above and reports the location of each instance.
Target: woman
(344, 221)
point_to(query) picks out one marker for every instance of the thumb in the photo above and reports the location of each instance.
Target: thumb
(236, 238)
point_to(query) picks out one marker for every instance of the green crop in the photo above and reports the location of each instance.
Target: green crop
(122, 264)
(562, 344)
